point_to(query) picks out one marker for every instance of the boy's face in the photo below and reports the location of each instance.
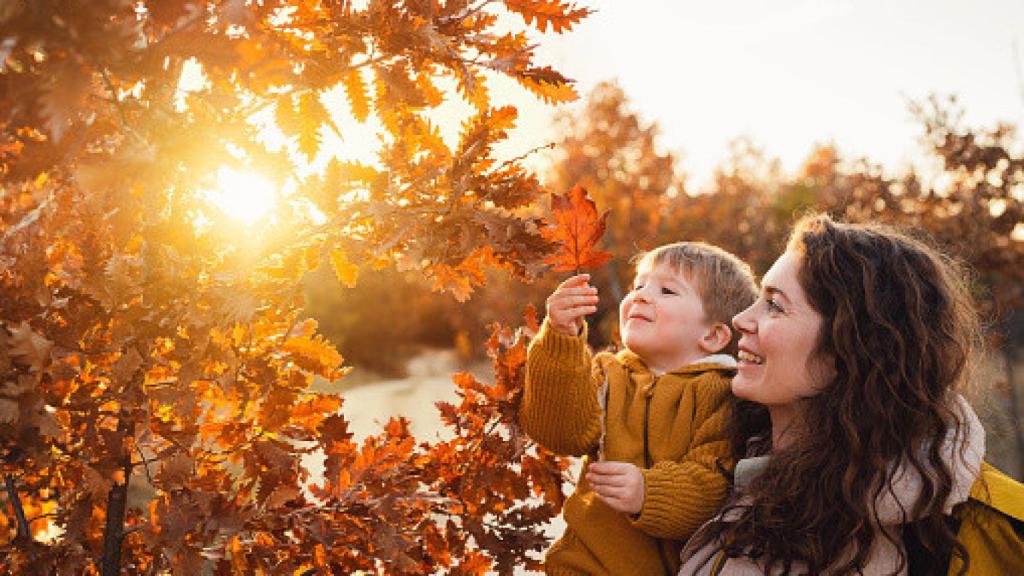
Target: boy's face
(662, 318)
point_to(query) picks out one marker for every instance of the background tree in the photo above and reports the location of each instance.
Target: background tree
(148, 334)
(976, 210)
(740, 211)
(612, 152)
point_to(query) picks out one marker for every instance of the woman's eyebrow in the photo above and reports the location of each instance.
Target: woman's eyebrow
(775, 291)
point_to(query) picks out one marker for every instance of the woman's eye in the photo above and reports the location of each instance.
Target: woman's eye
(773, 306)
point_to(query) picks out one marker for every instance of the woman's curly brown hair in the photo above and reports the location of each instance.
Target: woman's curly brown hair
(901, 327)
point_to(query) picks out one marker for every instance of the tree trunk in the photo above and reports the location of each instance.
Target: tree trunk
(614, 285)
(24, 533)
(117, 507)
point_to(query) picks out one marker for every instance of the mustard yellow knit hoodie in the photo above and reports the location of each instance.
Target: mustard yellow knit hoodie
(672, 426)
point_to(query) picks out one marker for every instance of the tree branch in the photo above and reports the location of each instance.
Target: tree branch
(24, 532)
(117, 507)
(117, 497)
(145, 463)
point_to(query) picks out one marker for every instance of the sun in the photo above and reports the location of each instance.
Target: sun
(245, 196)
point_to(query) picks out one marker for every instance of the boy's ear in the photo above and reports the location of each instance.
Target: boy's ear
(716, 338)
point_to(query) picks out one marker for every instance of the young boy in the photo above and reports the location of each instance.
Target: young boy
(651, 419)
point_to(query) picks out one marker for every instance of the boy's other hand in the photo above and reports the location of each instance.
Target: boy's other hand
(620, 485)
(570, 302)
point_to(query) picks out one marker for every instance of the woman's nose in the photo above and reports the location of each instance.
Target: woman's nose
(744, 321)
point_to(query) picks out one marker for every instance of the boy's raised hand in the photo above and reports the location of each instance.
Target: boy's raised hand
(620, 485)
(570, 302)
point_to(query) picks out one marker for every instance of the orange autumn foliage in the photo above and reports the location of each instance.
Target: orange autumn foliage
(161, 395)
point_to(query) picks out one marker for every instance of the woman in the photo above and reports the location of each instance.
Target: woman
(854, 436)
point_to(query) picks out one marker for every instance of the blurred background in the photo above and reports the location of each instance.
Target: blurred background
(724, 121)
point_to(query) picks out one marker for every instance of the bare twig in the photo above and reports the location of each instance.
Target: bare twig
(41, 516)
(145, 463)
(528, 153)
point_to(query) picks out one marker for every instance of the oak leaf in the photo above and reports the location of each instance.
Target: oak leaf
(548, 84)
(281, 496)
(94, 483)
(311, 114)
(548, 13)
(176, 470)
(348, 273)
(576, 229)
(314, 354)
(28, 347)
(460, 280)
(358, 99)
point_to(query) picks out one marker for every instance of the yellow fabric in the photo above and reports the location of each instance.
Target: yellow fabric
(687, 443)
(999, 491)
(993, 545)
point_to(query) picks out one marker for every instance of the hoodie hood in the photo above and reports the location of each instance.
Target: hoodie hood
(714, 361)
(961, 449)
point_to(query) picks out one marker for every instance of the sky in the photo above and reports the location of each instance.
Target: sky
(788, 73)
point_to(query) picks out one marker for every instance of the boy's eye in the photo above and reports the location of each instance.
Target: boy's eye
(637, 286)
(668, 291)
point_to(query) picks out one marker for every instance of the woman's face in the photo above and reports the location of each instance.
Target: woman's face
(778, 362)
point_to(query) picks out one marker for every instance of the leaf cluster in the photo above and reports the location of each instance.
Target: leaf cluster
(158, 410)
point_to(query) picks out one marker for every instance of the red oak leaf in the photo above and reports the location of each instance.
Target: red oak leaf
(576, 229)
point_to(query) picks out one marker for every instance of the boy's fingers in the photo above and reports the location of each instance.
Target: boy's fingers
(574, 301)
(572, 306)
(601, 474)
(588, 291)
(609, 491)
(577, 313)
(617, 504)
(607, 467)
(573, 311)
(560, 301)
(617, 481)
(574, 296)
(578, 280)
(607, 500)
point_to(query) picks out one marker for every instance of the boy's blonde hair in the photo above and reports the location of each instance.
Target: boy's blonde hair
(724, 282)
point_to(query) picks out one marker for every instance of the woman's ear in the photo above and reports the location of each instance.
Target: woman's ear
(716, 338)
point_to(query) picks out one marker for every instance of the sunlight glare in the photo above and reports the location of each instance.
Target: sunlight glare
(246, 196)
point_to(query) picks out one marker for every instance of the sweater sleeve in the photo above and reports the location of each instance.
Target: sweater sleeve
(559, 409)
(680, 496)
